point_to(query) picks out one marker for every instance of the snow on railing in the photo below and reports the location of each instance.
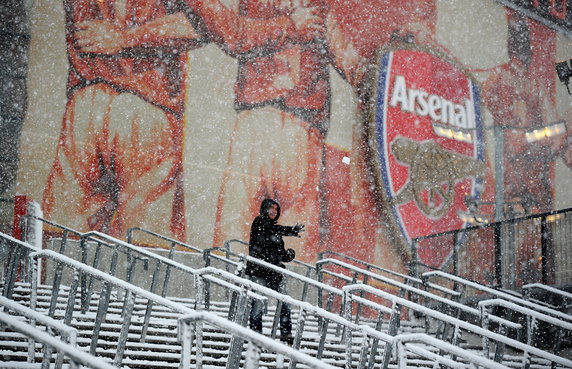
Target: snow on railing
(377, 269)
(237, 262)
(16, 266)
(228, 247)
(374, 338)
(532, 318)
(203, 273)
(133, 256)
(174, 243)
(566, 296)
(193, 272)
(87, 283)
(497, 294)
(108, 282)
(448, 355)
(244, 285)
(305, 308)
(256, 342)
(454, 306)
(75, 355)
(168, 263)
(90, 239)
(304, 280)
(549, 289)
(67, 333)
(131, 291)
(486, 335)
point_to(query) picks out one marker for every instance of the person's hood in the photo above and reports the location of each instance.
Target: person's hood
(266, 204)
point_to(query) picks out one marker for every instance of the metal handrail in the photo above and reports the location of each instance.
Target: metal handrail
(229, 254)
(76, 355)
(67, 333)
(115, 282)
(446, 352)
(129, 249)
(532, 318)
(498, 294)
(17, 256)
(193, 272)
(227, 246)
(206, 271)
(256, 341)
(253, 286)
(174, 242)
(493, 224)
(368, 266)
(239, 266)
(555, 291)
(84, 239)
(372, 267)
(405, 288)
(496, 227)
(487, 335)
(161, 261)
(110, 282)
(304, 308)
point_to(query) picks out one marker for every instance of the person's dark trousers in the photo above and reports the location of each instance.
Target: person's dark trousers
(257, 310)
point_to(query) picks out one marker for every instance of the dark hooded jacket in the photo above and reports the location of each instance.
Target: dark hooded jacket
(266, 243)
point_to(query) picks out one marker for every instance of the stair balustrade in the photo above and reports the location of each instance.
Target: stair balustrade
(364, 346)
(476, 289)
(446, 355)
(76, 356)
(415, 294)
(560, 329)
(256, 343)
(459, 326)
(54, 327)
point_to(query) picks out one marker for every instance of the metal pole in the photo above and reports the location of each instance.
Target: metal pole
(499, 172)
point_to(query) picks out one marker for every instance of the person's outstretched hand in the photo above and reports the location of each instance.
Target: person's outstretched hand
(298, 228)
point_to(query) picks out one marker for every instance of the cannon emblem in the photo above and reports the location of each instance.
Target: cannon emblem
(433, 173)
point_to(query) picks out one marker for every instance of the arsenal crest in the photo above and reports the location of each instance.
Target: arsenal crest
(426, 140)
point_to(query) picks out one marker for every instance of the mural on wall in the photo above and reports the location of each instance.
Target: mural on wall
(520, 96)
(110, 168)
(121, 156)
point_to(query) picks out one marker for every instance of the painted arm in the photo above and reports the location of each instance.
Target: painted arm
(173, 31)
(241, 35)
(345, 58)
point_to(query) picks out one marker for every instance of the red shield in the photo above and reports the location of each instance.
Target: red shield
(429, 152)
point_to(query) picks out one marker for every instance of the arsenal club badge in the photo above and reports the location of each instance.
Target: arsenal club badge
(427, 150)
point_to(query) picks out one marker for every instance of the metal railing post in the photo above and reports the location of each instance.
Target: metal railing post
(185, 338)
(413, 265)
(498, 254)
(302, 315)
(546, 251)
(121, 342)
(456, 253)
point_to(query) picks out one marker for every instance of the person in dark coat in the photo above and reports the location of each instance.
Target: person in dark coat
(266, 243)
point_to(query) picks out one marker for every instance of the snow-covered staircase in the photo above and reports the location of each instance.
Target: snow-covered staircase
(161, 348)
